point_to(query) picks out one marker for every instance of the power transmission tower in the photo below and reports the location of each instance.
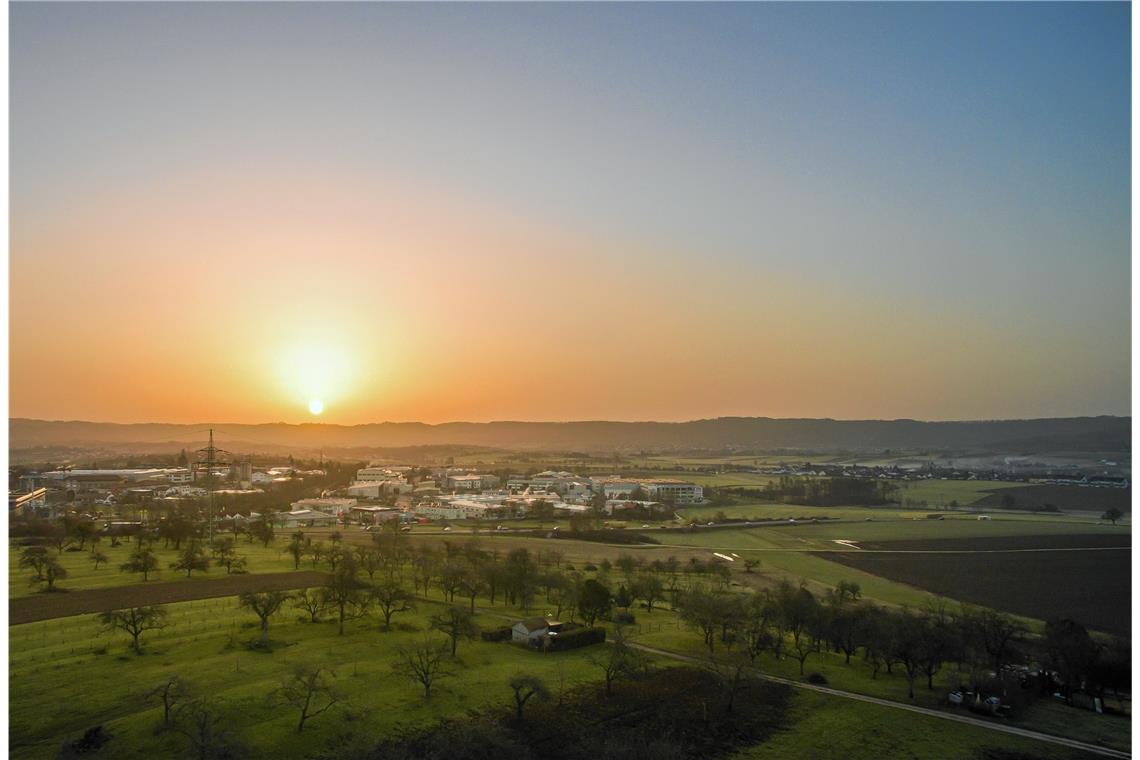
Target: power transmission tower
(210, 457)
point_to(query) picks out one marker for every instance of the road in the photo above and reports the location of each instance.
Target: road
(968, 720)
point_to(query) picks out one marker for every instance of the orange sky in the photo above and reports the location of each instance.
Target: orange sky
(188, 301)
(223, 211)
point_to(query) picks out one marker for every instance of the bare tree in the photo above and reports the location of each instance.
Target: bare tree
(391, 597)
(134, 621)
(346, 593)
(620, 660)
(525, 688)
(456, 623)
(34, 557)
(312, 601)
(209, 739)
(425, 663)
(172, 692)
(99, 558)
(142, 560)
(190, 559)
(311, 690)
(264, 604)
(731, 671)
(51, 571)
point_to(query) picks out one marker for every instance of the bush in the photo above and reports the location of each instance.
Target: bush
(581, 637)
(497, 634)
(91, 742)
(624, 618)
(818, 678)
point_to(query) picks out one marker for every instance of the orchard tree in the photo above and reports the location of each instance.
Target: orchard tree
(52, 571)
(312, 601)
(425, 663)
(593, 601)
(346, 593)
(34, 558)
(391, 597)
(134, 621)
(525, 688)
(456, 623)
(191, 558)
(171, 693)
(619, 660)
(142, 560)
(311, 690)
(264, 604)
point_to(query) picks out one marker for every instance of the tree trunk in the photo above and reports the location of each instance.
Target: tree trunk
(264, 632)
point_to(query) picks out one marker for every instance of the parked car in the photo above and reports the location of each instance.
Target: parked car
(954, 697)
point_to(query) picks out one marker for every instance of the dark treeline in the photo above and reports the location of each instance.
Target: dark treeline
(988, 649)
(665, 714)
(823, 492)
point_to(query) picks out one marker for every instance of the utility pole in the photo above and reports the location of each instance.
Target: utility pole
(209, 457)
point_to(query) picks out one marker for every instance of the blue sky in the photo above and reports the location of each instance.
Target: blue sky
(935, 164)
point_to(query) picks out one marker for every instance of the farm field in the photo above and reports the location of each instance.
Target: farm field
(81, 572)
(1064, 497)
(1092, 586)
(93, 600)
(204, 644)
(807, 551)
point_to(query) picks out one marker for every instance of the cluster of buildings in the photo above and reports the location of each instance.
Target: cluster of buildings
(46, 494)
(381, 493)
(377, 493)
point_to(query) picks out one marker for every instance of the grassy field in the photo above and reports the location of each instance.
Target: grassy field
(1045, 716)
(81, 572)
(205, 643)
(831, 728)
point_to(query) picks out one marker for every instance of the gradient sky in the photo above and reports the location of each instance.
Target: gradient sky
(444, 212)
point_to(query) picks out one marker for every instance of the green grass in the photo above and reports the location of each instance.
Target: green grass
(828, 727)
(81, 572)
(203, 643)
(46, 659)
(663, 629)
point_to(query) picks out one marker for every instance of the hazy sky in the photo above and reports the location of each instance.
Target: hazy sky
(439, 212)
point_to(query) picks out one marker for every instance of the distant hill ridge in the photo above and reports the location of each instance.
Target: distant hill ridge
(760, 433)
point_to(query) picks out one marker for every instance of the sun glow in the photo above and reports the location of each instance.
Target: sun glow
(313, 375)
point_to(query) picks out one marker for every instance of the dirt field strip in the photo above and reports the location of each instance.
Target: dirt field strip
(30, 609)
(1025, 733)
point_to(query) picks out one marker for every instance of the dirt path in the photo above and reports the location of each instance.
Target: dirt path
(968, 720)
(29, 609)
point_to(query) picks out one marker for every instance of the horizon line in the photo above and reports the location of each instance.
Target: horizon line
(580, 422)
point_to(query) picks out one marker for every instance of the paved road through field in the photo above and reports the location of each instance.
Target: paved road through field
(968, 720)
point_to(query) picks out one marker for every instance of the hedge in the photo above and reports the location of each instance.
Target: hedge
(581, 637)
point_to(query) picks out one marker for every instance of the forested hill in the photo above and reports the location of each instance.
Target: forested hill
(1089, 434)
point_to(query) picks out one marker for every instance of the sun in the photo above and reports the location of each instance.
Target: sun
(314, 375)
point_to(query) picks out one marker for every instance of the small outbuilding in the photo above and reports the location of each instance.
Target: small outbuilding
(532, 630)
